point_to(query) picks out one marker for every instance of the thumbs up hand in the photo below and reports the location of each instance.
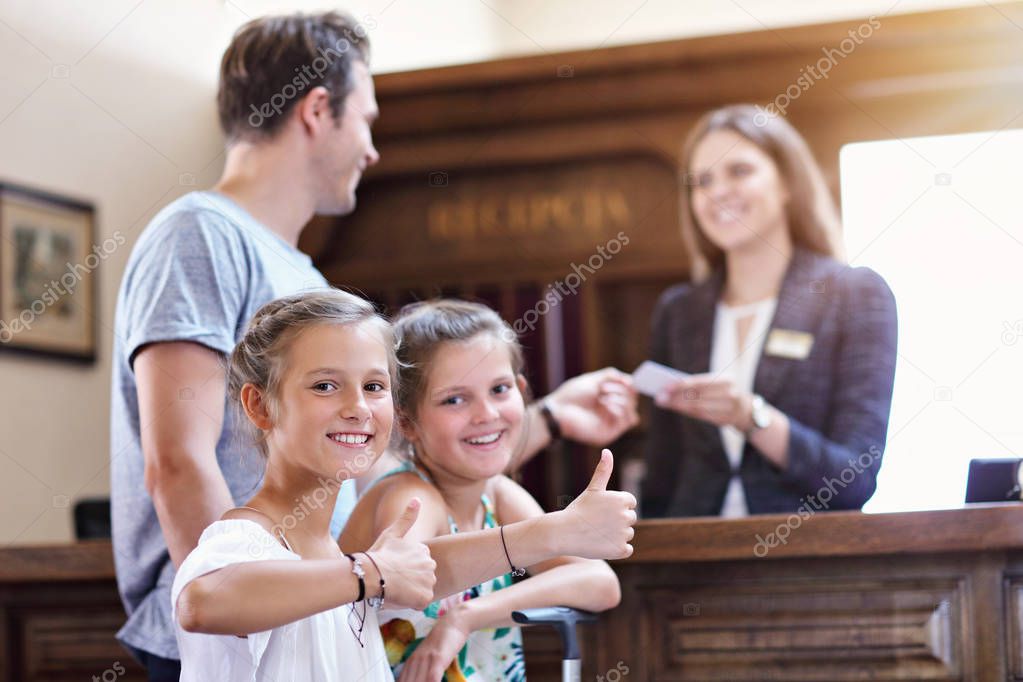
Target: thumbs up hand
(408, 569)
(599, 523)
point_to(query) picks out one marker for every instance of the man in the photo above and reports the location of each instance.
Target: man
(296, 103)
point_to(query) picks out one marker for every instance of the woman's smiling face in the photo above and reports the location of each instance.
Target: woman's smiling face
(470, 418)
(738, 198)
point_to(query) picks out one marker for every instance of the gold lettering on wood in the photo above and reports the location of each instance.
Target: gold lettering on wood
(528, 214)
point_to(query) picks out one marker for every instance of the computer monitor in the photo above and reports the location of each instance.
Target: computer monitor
(993, 480)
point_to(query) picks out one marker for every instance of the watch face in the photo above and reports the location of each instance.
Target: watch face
(761, 414)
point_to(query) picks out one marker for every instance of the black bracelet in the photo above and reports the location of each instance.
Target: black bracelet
(377, 602)
(517, 572)
(360, 574)
(552, 423)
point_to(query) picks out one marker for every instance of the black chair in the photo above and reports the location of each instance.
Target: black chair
(92, 518)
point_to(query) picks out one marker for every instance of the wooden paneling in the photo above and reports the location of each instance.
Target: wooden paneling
(56, 642)
(878, 619)
(519, 224)
(697, 604)
(1014, 616)
(58, 627)
(834, 629)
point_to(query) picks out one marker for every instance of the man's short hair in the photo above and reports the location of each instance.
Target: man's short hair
(272, 62)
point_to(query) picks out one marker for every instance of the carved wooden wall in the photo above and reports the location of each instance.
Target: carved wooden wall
(497, 178)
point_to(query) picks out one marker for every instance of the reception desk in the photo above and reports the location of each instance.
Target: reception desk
(932, 595)
(839, 596)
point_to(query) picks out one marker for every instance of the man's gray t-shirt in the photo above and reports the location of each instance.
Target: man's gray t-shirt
(199, 272)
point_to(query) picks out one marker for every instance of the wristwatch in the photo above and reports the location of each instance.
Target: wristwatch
(553, 426)
(760, 413)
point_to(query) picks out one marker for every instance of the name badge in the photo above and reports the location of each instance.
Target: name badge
(786, 343)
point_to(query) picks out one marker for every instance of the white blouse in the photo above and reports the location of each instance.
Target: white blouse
(729, 360)
(320, 648)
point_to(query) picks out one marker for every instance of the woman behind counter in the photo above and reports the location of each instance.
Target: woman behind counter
(792, 352)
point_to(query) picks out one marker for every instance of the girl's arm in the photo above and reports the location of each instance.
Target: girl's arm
(564, 581)
(597, 525)
(586, 584)
(580, 583)
(222, 602)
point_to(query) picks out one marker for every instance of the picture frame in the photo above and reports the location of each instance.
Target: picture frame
(48, 282)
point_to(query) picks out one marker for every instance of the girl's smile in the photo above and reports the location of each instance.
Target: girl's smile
(485, 442)
(349, 439)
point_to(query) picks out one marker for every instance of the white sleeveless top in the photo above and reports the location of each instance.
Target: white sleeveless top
(320, 648)
(727, 359)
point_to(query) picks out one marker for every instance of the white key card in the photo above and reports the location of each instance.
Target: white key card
(651, 377)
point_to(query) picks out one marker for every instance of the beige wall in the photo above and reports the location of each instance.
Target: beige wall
(111, 101)
(535, 26)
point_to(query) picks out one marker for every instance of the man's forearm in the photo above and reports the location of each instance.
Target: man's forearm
(187, 500)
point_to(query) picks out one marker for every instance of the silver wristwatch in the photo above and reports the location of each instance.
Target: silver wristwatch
(760, 413)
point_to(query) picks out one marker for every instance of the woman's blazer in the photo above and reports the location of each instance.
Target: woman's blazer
(828, 363)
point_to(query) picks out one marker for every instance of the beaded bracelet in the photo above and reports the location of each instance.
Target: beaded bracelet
(356, 620)
(360, 573)
(517, 572)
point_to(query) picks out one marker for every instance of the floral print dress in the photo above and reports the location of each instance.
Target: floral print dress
(493, 655)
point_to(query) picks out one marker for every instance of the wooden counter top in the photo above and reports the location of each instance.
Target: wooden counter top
(88, 560)
(831, 534)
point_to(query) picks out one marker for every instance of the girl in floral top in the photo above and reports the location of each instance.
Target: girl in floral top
(462, 413)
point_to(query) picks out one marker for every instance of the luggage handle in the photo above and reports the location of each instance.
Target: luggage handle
(563, 619)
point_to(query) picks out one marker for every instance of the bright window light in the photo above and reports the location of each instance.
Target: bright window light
(941, 219)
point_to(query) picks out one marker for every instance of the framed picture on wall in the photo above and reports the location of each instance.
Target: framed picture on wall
(48, 263)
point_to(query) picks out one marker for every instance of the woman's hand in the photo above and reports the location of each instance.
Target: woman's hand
(409, 571)
(599, 523)
(711, 399)
(437, 650)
